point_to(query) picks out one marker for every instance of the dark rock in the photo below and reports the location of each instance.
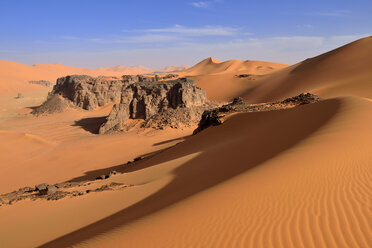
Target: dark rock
(113, 173)
(137, 159)
(102, 177)
(213, 117)
(89, 92)
(26, 190)
(42, 188)
(52, 189)
(53, 104)
(159, 104)
(41, 82)
(46, 189)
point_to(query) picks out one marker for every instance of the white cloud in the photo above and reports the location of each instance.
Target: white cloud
(333, 13)
(200, 4)
(201, 31)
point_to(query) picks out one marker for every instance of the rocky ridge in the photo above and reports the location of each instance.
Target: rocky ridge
(216, 116)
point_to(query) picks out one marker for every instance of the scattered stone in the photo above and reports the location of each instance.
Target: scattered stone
(137, 159)
(26, 190)
(113, 173)
(243, 75)
(42, 188)
(41, 82)
(19, 96)
(102, 177)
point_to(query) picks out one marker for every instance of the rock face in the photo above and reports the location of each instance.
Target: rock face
(216, 116)
(158, 103)
(89, 92)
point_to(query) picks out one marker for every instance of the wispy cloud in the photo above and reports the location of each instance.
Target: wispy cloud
(200, 31)
(176, 33)
(305, 26)
(334, 13)
(200, 4)
(205, 4)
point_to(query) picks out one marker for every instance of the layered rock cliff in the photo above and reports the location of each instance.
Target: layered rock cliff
(165, 103)
(89, 92)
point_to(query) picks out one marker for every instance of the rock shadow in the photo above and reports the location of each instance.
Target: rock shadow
(91, 125)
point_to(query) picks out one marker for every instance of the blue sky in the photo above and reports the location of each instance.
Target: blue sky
(92, 33)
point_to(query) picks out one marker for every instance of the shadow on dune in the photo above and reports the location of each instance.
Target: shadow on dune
(91, 125)
(123, 168)
(240, 144)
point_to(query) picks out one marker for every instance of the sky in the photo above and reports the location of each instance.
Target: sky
(100, 33)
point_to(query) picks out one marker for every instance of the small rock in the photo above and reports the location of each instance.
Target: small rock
(26, 190)
(137, 159)
(102, 177)
(51, 189)
(42, 188)
(113, 173)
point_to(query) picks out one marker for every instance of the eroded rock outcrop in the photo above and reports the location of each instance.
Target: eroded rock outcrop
(216, 116)
(89, 92)
(164, 103)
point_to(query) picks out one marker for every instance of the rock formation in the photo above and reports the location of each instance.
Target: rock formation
(89, 92)
(216, 116)
(164, 103)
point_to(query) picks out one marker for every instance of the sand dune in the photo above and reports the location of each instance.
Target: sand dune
(280, 183)
(214, 66)
(298, 177)
(219, 79)
(343, 71)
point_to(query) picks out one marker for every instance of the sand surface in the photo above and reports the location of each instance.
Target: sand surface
(299, 177)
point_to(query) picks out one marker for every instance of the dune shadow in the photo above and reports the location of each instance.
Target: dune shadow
(170, 140)
(128, 167)
(91, 125)
(234, 151)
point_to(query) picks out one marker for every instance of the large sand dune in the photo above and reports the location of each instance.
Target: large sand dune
(343, 71)
(298, 177)
(271, 179)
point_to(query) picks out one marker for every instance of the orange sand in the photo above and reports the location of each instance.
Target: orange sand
(300, 177)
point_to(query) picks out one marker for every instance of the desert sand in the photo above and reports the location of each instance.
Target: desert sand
(298, 177)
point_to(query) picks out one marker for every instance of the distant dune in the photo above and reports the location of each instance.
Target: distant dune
(214, 66)
(14, 76)
(220, 81)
